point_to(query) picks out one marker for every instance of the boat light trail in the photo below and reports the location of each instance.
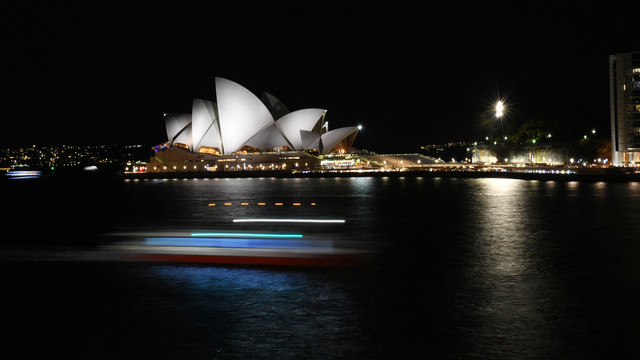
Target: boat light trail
(249, 235)
(236, 243)
(304, 221)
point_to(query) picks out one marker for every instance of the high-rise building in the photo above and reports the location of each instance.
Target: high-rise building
(624, 94)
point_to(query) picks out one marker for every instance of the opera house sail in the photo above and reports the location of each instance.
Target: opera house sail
(238, 122)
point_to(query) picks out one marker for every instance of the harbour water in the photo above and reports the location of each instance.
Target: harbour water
(487, 268)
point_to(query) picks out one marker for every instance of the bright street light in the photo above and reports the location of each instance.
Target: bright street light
(499, 109)
(499, 113)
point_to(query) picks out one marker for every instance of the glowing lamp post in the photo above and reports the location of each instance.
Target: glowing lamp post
(499, 113)
(499, 109)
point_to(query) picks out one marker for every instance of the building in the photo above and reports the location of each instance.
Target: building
(243, 132)
(624, 93)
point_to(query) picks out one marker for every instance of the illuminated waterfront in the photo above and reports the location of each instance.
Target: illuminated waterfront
(484, 267)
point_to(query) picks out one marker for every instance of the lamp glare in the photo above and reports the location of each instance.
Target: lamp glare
(499, 109)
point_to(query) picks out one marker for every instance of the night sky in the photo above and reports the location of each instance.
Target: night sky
(411, 75)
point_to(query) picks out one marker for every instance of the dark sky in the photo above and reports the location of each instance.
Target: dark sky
(85, 73)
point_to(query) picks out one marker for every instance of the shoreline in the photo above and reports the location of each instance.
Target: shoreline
(604, 175)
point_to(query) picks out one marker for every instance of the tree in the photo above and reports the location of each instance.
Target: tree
(485, 123)
(536, 129)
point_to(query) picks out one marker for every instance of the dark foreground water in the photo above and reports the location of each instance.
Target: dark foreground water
(466, 268)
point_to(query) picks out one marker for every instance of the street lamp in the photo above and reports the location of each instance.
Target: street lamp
(499, 109)
(499, 113)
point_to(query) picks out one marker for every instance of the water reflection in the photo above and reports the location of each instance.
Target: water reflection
(274, 313)
(502, 225)
(508, 295)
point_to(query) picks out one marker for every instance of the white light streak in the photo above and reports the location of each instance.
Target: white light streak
(304, 221)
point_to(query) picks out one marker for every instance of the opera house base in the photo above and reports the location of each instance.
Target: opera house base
(181, 162)
(176, 159)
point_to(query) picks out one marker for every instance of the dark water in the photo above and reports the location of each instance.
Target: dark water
(467, 268)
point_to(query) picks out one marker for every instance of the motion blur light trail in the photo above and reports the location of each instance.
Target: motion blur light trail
(23, 174)
(302, 221)
(237, 243)
(248, 248)
(253, 235)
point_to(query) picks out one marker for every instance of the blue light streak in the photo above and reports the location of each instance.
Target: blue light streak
(249, 235)
(23, 174)
(235, 242)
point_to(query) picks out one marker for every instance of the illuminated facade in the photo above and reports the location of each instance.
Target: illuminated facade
(624, 92)
(240, 122)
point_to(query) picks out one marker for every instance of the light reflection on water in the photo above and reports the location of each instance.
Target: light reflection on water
(501, 230)
(540, 257)
(486, 268)
(186, 203)
(505, 273)
(267, 313)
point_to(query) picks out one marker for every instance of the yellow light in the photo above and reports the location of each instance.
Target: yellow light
(279, 204)
(262, 204)
(313, 204)
(227, 204)
(212, 204)
(244, 203)
(296, 204)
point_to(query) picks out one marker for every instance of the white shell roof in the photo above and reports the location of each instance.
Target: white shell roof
(333, 137)
(178, 128)
(240, 118)
(310, 140)
(277, 107)
(184, 137)
(205, 128)
(241, 114)
(269, 137)
(292, 123)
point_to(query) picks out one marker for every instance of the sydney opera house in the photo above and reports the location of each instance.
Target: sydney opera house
(243, 132)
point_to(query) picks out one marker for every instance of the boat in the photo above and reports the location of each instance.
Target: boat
(237, 247)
